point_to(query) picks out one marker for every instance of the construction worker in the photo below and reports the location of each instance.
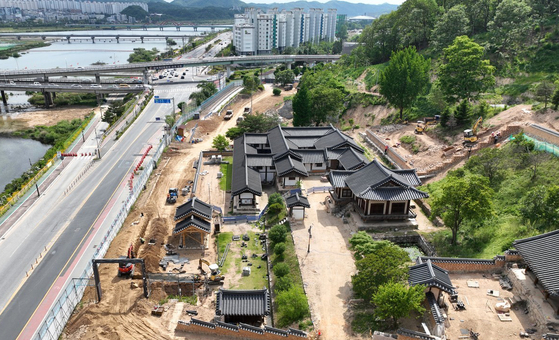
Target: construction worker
(385, 149)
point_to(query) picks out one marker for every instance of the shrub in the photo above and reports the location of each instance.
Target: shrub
(279, 249)
(281, 269)
(292, 306)
(278, 233)
(407, 139)
(282, 284)
(276, 92)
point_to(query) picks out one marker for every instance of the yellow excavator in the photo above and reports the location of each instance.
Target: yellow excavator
(470, 135)
(215, 276)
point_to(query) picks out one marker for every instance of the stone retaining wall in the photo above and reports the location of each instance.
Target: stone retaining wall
(542, 133)
(412, 238)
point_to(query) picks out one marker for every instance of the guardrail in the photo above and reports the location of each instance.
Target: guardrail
(60, 312)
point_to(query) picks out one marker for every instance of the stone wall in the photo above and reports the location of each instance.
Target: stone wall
(242, 331)
(458, 265)
(406, 334)
(409, 238)
(391, 154)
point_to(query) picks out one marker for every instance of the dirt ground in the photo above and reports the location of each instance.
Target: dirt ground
(23, 120)
(480, 314)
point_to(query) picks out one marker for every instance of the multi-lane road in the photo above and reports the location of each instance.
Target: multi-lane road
(64, 221)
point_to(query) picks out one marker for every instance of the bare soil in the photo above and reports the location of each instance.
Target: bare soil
(24, 120)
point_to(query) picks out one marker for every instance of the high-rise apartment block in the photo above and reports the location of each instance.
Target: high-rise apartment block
(257, 32)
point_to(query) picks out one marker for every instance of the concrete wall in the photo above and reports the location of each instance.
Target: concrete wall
(232, 331)
(540, 133)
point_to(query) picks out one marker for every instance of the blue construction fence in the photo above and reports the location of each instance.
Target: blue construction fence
(541, 146)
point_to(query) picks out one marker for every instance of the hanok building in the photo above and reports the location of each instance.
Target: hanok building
(194, 223)
(297, 205)
(285, 155)
(377, 193)
(541, 256)
(249, 306)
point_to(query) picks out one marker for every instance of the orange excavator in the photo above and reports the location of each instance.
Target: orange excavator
(127, 268)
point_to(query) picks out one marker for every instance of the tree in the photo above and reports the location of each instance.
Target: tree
(281, 269)
(251, 83)
(302, 108)
(463, 112)
(445, 117)
(292, 306)
(327, 103)
(452, 24)
(380, 38)
(257, 123)
(394, 300)
(136, 12)
(234, 133)
(282, 284)
(486, 162)
(463, 74)
(170, 120)
(363, 244)
(544, 91)
(279, 249)
(207, 89)
(220, 143)
(555, 99)
(342, 32)
(386, 264)
(462, 198)
(141, 55)
(511, 25)
(276, 91)
(404, 78)
(285, 77)
(416, 19)
(278, 233)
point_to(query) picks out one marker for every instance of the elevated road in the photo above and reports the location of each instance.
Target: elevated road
(116, 35)
(74, 88)
(158, 65)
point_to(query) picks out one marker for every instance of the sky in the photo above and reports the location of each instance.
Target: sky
(368, 2)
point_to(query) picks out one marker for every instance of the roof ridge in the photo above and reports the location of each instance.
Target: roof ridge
(536, 237)
(430, 267)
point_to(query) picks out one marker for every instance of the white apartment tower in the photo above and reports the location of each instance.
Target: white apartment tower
(258, 32)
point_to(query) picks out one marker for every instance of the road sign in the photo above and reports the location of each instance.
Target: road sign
(162, 101)
(156, 97)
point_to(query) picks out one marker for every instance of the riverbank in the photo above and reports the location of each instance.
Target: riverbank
(19, 46)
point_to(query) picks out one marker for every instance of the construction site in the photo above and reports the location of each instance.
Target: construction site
(175, 224)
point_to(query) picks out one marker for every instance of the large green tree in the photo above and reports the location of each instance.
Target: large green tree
(511, 25)
(539, 207)
(251, 83)
(460, 198)
(463, 73)
(302, 107)
(363, 244)
(292, 306)
(404, 78)
(285, 77)
(416, 19)
(380, 38)
(220, 142)
(255, 123)
(386, 264)
(327, 103)
(395, 300)
(452, 24)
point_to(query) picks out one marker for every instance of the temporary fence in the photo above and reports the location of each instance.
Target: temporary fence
(60, 312)
(318, 189)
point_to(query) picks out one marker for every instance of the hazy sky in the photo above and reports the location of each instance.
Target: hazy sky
(369, 2)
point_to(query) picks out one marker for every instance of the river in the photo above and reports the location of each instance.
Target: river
(15, 154)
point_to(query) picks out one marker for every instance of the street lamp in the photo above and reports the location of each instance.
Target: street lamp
(97, 140)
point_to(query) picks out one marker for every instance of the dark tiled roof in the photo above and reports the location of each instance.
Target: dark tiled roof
(256, 138)
(312, 156)
(350, 159)
(194, 206)
(206, 324)
(242, 302)
(288, 164)
(434, 307)
(244, 179)
(251, 328)
(334, 153)
(302, 141)
(434, 259)
(542, 256)
(336, 139)
(296, 200)
(277, 141)
(276, 331)
(337, 178)
(376, 182)
(410, 175)
(297, 332)
(307, 131)
(260, 160)
(415, 335)
(430, 275)
(550, 336)
(195, 222)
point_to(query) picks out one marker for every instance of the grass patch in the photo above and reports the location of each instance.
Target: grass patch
(190, 299)
(227, 170)
(222, 240)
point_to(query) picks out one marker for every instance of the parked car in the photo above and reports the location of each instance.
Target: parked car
(76, 85)
(95, 85)
(12, 82)
(37, 83)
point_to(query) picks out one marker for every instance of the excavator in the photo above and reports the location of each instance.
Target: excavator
(127, 268)
(470, 135)
(215, 276)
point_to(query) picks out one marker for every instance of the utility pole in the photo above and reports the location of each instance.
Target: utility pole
(97, 140)
(38, 193)
(310, 236)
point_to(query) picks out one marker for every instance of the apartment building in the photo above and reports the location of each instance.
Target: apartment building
(70, 6)
(259, 33)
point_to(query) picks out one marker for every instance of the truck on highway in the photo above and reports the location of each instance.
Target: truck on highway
(228, 114)
(246, 111)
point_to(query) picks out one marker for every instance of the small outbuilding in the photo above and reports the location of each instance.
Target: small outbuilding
(194, 224)
(296, 205)
(182, 131)
(431, 276)
(243, 306)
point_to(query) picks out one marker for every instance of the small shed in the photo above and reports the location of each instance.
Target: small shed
(296, 205)
(194, 223)
(182, 131)
(431, 276)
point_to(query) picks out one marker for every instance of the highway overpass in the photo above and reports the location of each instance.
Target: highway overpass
(116, 35)
(173, 25)
(158, 65)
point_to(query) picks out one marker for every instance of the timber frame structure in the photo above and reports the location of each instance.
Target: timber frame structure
(194, 224)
